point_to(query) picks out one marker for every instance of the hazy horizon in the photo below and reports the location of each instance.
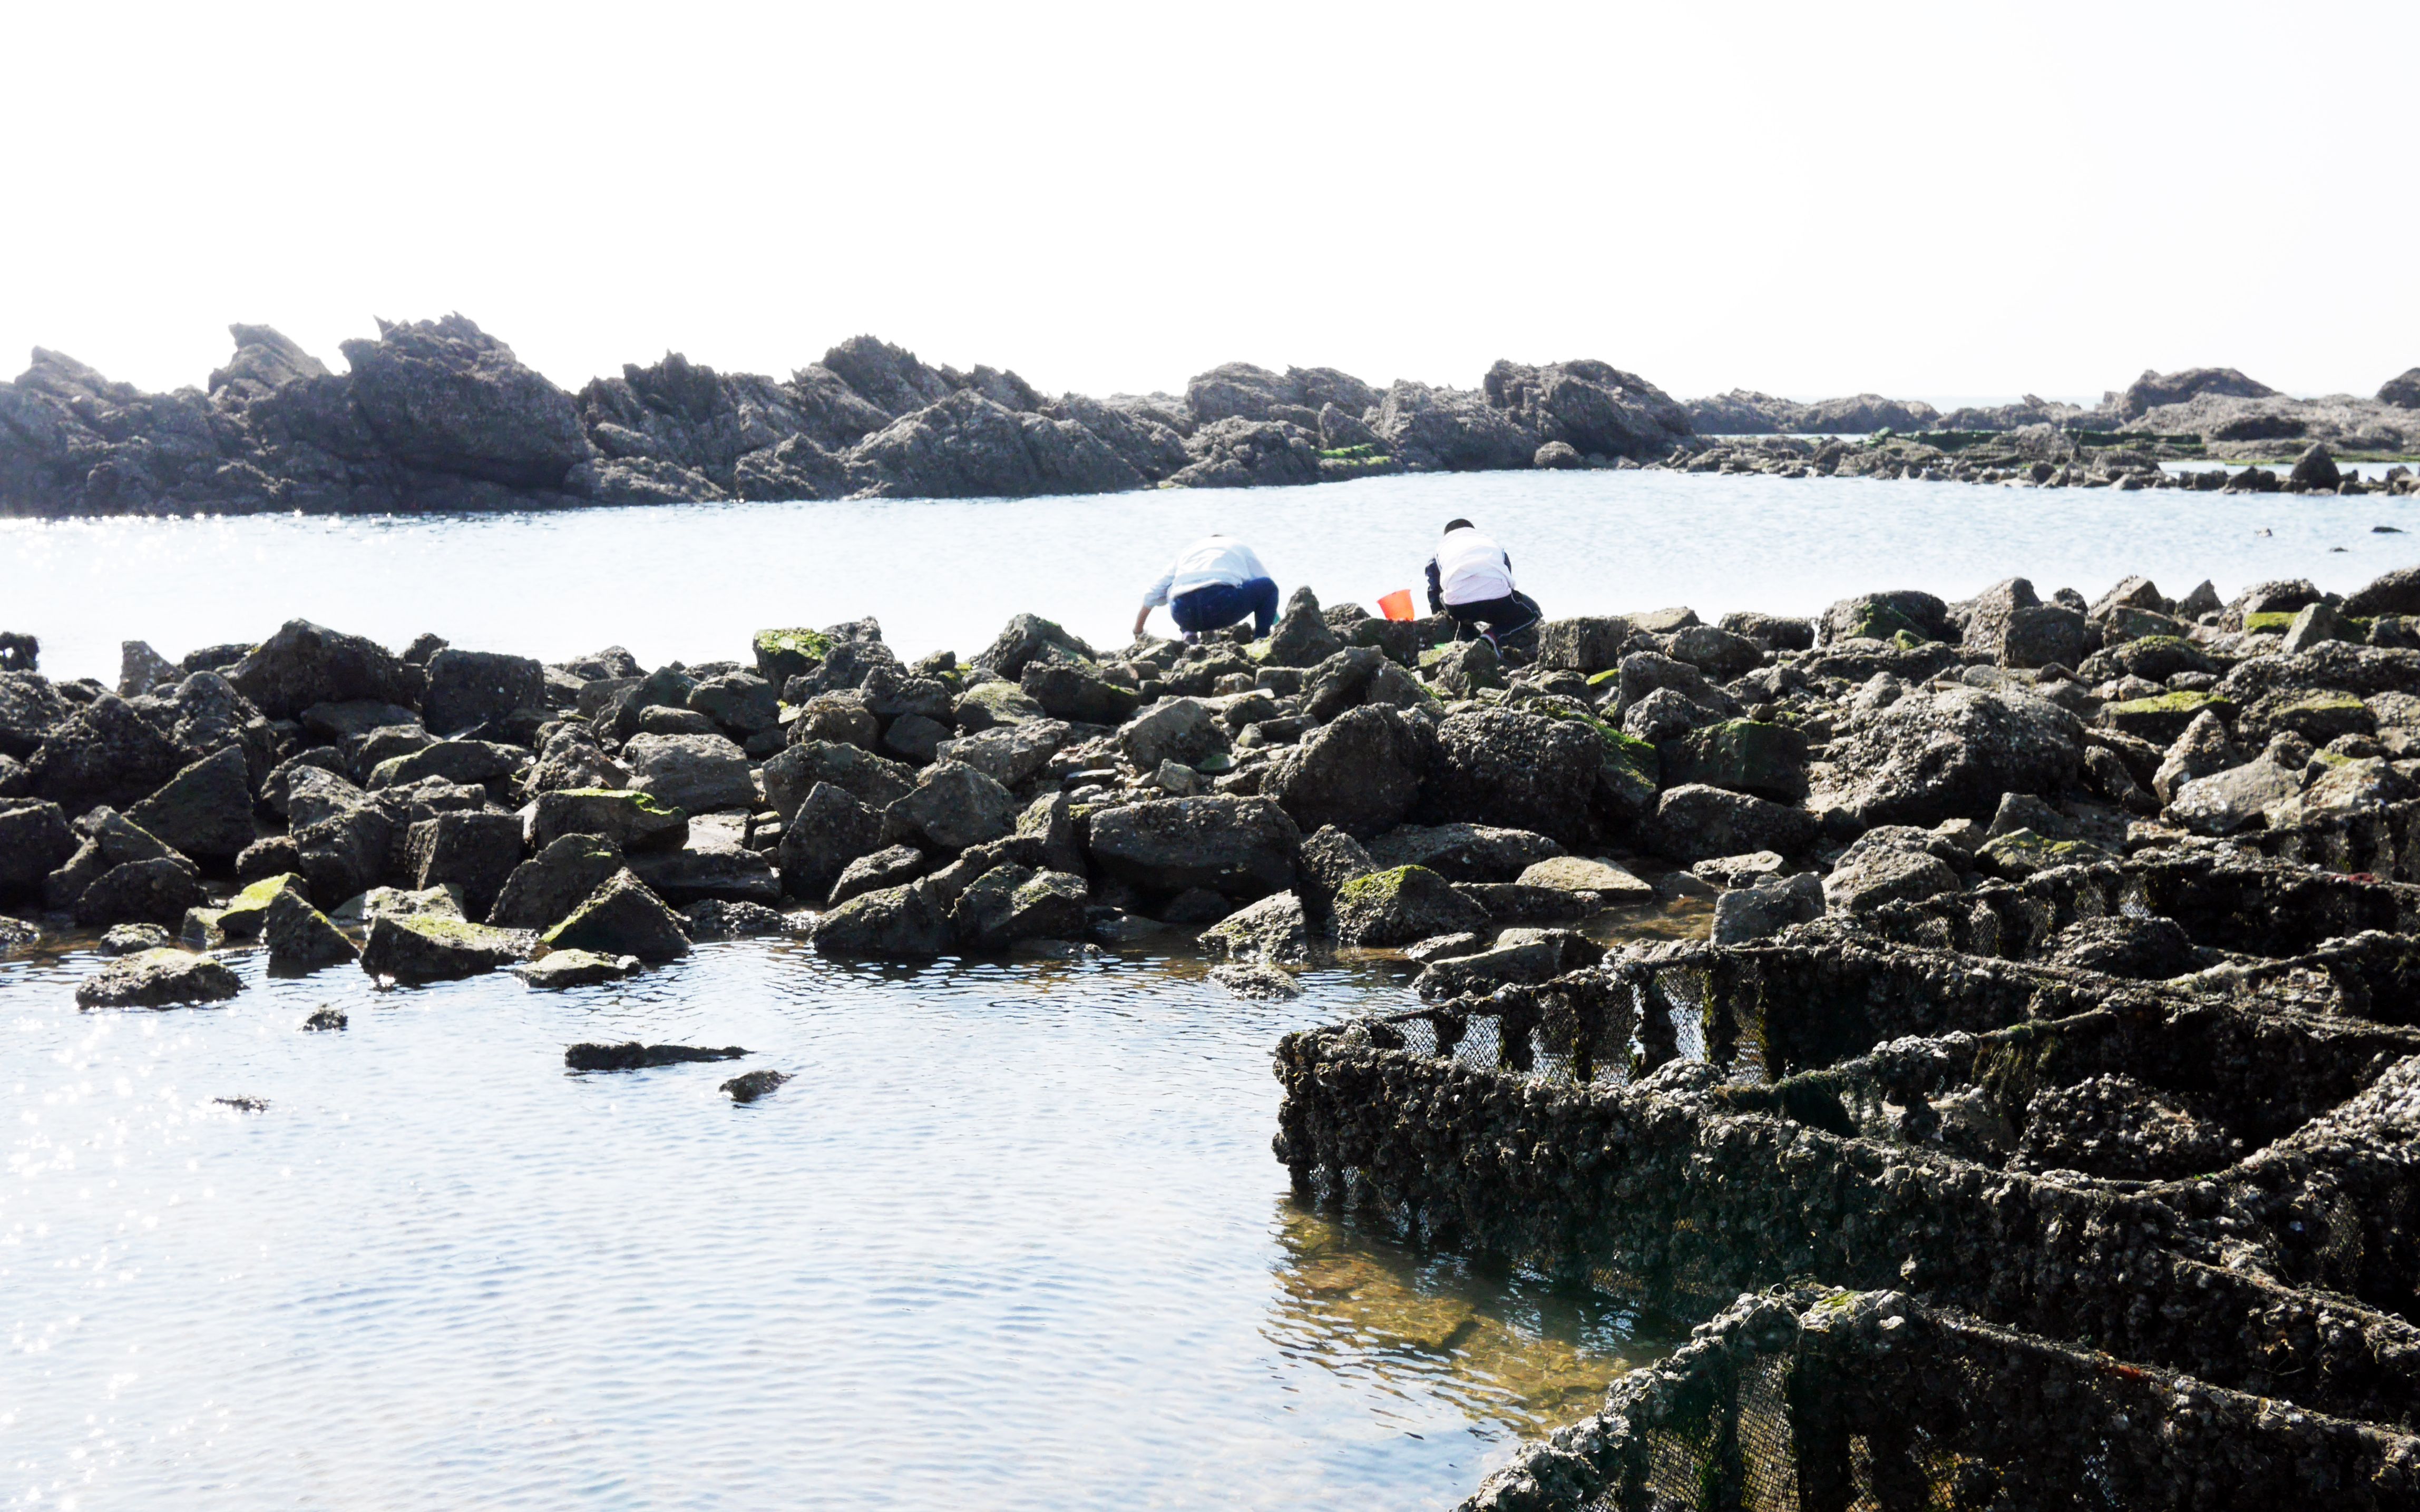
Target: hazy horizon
(1892, 199)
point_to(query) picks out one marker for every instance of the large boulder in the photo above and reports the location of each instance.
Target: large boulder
(1403, 905)
(876, 781)
(463, 762)
(2010, 625)
(1592, 407)
(1249, 453)
(1588, 646)
(2155, 390)
(544, 889)
(622, 917)
(2237, 797)
(438, 946)
(1070, 692)
(1746, 914)
(305, 664)
(698, 773)
(723, 872)
(474, 688)
(473, 852)
(1010, 902)
(105, 753)
(156, 891)
(1361, 772)
(1697, 823)
(953, 807)
(829, 829)
(1744, 755)
(1949, 754)
(2402, 390)
(300, 936)
(1885, 615)
(2393, 593)
(907, 922)
(1241, 390)
(35, 840)
(1011, 754)
(204, 811)
(29, 708)
(632, 821)
(1027, 637)
(1525, 771)
(444, 396)
(1172, 730)
(157, 979)
(1463, 853)
(1242, 847)
(1272, 930)
(1452, 431)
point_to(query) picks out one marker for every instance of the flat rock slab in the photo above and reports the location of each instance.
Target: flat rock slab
(576, 968)
(1584, 873)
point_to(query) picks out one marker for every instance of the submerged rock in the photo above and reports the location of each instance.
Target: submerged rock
(636, 1057)
(756, 1083)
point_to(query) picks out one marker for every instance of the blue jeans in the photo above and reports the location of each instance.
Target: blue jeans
(1217, 606)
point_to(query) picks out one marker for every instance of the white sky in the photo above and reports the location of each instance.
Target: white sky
(1924, 200)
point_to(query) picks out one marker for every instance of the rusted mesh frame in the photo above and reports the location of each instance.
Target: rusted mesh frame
(2222, 896)
(2383, 842)
(1688, 1196)
(1823, 1401)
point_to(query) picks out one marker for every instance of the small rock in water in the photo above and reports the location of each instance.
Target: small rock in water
(243, 1104)
(1057, 950)
(326, 1016)
(127, 939)
(755, 1085)
(1258, 982)
(2387, 530)
(636, 1057)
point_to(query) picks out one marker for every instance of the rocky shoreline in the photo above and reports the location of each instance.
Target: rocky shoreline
(440, 416)
(2055, 1017)
(1347, 782)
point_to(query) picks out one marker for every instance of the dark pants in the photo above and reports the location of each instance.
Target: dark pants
(1221, 605)
(1509, 622)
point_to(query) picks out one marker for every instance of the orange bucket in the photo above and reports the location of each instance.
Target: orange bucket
(1398, 605)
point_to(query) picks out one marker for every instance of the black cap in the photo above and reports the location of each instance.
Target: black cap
(1452, 524)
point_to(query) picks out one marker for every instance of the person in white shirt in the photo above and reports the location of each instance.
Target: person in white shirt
(1215, 582)
(1470, 578)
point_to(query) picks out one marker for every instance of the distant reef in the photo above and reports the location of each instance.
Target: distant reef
(437, 415)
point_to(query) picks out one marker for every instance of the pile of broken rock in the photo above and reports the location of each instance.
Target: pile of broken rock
(1347, 782)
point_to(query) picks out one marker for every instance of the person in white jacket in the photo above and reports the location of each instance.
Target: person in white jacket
(1470, 578)
(1215, 582)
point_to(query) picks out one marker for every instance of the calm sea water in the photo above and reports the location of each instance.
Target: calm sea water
(1011, 1237)
(691, 581)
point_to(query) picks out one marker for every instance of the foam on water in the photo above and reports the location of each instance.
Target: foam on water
(691, 581)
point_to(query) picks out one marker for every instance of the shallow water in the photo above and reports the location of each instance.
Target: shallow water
(691, 581)
(1012, 1237)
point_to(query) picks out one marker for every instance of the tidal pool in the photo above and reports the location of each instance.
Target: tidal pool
(1012, 1237)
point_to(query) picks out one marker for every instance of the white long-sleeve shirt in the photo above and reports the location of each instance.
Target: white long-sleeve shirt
(1213, 559)
(1471, 568)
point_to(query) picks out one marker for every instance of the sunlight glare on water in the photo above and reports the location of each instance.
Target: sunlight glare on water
(691, 581)
(1011, 1238)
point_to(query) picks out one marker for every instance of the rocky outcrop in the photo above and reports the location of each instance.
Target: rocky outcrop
(2154, 390)
(1746, 412)
(1593, 408)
